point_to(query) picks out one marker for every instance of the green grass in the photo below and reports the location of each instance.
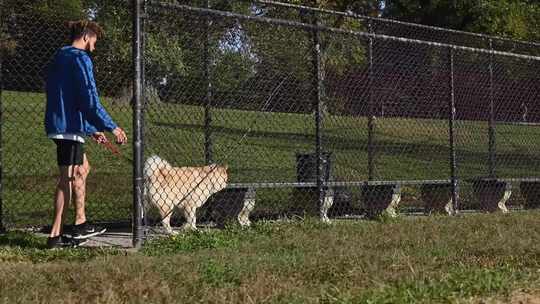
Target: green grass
(405, 149)
(24, 247)
(410, 260)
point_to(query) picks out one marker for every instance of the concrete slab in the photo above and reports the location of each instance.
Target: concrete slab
(112, 238)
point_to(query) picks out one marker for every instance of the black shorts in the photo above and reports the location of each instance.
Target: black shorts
(69, 152)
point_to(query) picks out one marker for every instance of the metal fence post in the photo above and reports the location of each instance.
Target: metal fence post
(371, 112)
(491, 131)
(2, 227)
(317, 85)
(208, 146)
(451, 132)
(137, 228)
(144, 102)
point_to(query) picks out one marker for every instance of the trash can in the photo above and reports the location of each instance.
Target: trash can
(306, 167)
(306, 199)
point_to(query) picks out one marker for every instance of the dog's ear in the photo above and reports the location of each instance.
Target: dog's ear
(226, 167)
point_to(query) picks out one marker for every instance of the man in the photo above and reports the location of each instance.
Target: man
(73, 112)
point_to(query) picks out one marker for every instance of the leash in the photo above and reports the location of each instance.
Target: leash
(114, 150)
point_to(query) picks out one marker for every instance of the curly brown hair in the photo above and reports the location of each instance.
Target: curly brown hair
(80, 28)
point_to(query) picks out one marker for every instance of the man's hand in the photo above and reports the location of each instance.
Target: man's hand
(120, 135)
(100, 137)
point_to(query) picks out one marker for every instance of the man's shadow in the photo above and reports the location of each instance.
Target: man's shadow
(22, 239)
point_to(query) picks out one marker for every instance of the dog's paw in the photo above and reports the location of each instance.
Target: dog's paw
(188, 227)
(326, 220)
(170, 231)
(246, 223)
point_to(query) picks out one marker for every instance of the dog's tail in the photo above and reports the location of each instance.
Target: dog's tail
(151, 165)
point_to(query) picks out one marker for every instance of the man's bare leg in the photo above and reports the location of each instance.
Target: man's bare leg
(82, 229)
(62, 198)
(79, 190)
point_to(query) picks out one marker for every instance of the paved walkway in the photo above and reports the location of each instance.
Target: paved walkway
(112, 238)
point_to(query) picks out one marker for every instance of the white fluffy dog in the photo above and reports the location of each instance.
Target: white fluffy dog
(186, 188)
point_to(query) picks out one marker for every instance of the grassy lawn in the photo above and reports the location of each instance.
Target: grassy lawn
(466, 259)
(405, 149)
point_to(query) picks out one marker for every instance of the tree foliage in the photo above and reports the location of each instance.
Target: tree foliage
(240, 53)
(509, 18)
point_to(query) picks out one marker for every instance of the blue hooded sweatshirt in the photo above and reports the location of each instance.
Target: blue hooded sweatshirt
(73, 105)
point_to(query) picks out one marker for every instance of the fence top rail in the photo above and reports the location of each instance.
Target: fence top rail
(418, 182)
(336, 184)
(501, 179)
(288, 23)
(517, 123)
(386, 20)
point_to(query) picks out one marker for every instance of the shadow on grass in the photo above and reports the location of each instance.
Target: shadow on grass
(515, 162)
(21, 239)
(20, 246)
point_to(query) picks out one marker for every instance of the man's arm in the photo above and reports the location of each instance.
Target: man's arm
(88, 100)
(89, 128)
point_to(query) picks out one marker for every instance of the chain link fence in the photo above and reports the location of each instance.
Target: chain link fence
(254, 110)
(31, 34)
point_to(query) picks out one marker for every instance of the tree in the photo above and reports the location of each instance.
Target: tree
(31, 32)
(509, 18)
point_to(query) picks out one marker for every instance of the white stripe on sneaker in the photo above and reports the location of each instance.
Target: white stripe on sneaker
(89, 235)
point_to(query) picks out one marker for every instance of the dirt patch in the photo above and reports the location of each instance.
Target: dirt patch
(521, 296)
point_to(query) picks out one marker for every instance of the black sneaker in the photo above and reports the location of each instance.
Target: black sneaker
(73, 243)
(63, 241)
(55, 242)
(86, 230)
